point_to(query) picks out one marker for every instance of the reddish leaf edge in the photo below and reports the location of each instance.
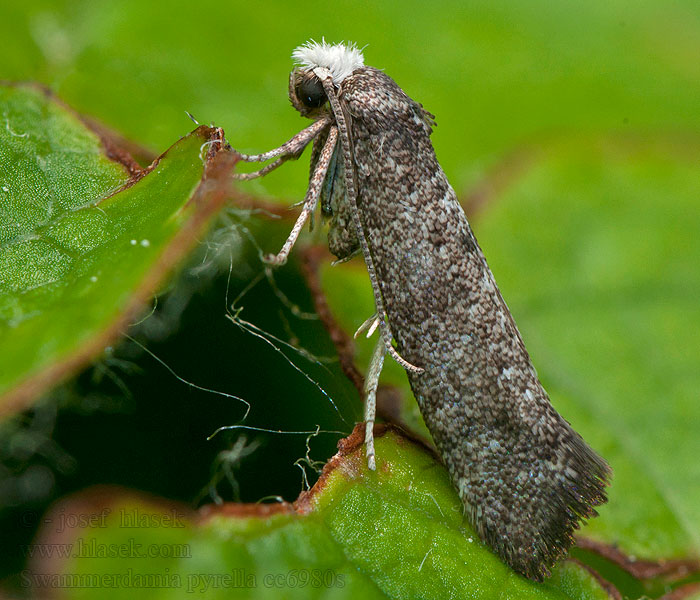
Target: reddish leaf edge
(672, 569)
(681, 593)
(84, 505)
(212, 193)
(95, 500)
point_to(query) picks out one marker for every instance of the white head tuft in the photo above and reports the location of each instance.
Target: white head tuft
(340, 59)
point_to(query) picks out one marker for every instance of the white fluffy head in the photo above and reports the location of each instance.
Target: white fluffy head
(340, 59)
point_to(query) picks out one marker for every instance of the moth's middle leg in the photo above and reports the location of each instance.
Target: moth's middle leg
(370, 393)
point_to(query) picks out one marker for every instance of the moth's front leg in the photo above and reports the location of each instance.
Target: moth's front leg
(291, 149)
(310, 201)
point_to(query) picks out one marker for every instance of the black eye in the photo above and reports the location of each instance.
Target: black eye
(311, 93)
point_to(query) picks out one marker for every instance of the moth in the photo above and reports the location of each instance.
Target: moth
(525, 477)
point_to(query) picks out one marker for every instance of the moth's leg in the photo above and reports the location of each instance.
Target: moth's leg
(289, 150)
(371, 383)
(370, 325)
(311, 200)
(265, 170)
(386, 332)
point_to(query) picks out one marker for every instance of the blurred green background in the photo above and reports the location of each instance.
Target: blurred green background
(571, 131)
(496, 74)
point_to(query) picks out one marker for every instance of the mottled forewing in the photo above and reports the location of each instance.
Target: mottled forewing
(525, 477)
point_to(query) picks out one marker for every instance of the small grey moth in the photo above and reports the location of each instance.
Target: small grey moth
(525, 477)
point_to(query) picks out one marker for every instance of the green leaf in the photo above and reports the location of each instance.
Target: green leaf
(397, 532)
(83, 241)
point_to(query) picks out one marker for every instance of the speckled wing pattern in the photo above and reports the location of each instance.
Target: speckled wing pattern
(526, 478)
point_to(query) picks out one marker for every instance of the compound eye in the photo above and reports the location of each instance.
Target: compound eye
(311, 93)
